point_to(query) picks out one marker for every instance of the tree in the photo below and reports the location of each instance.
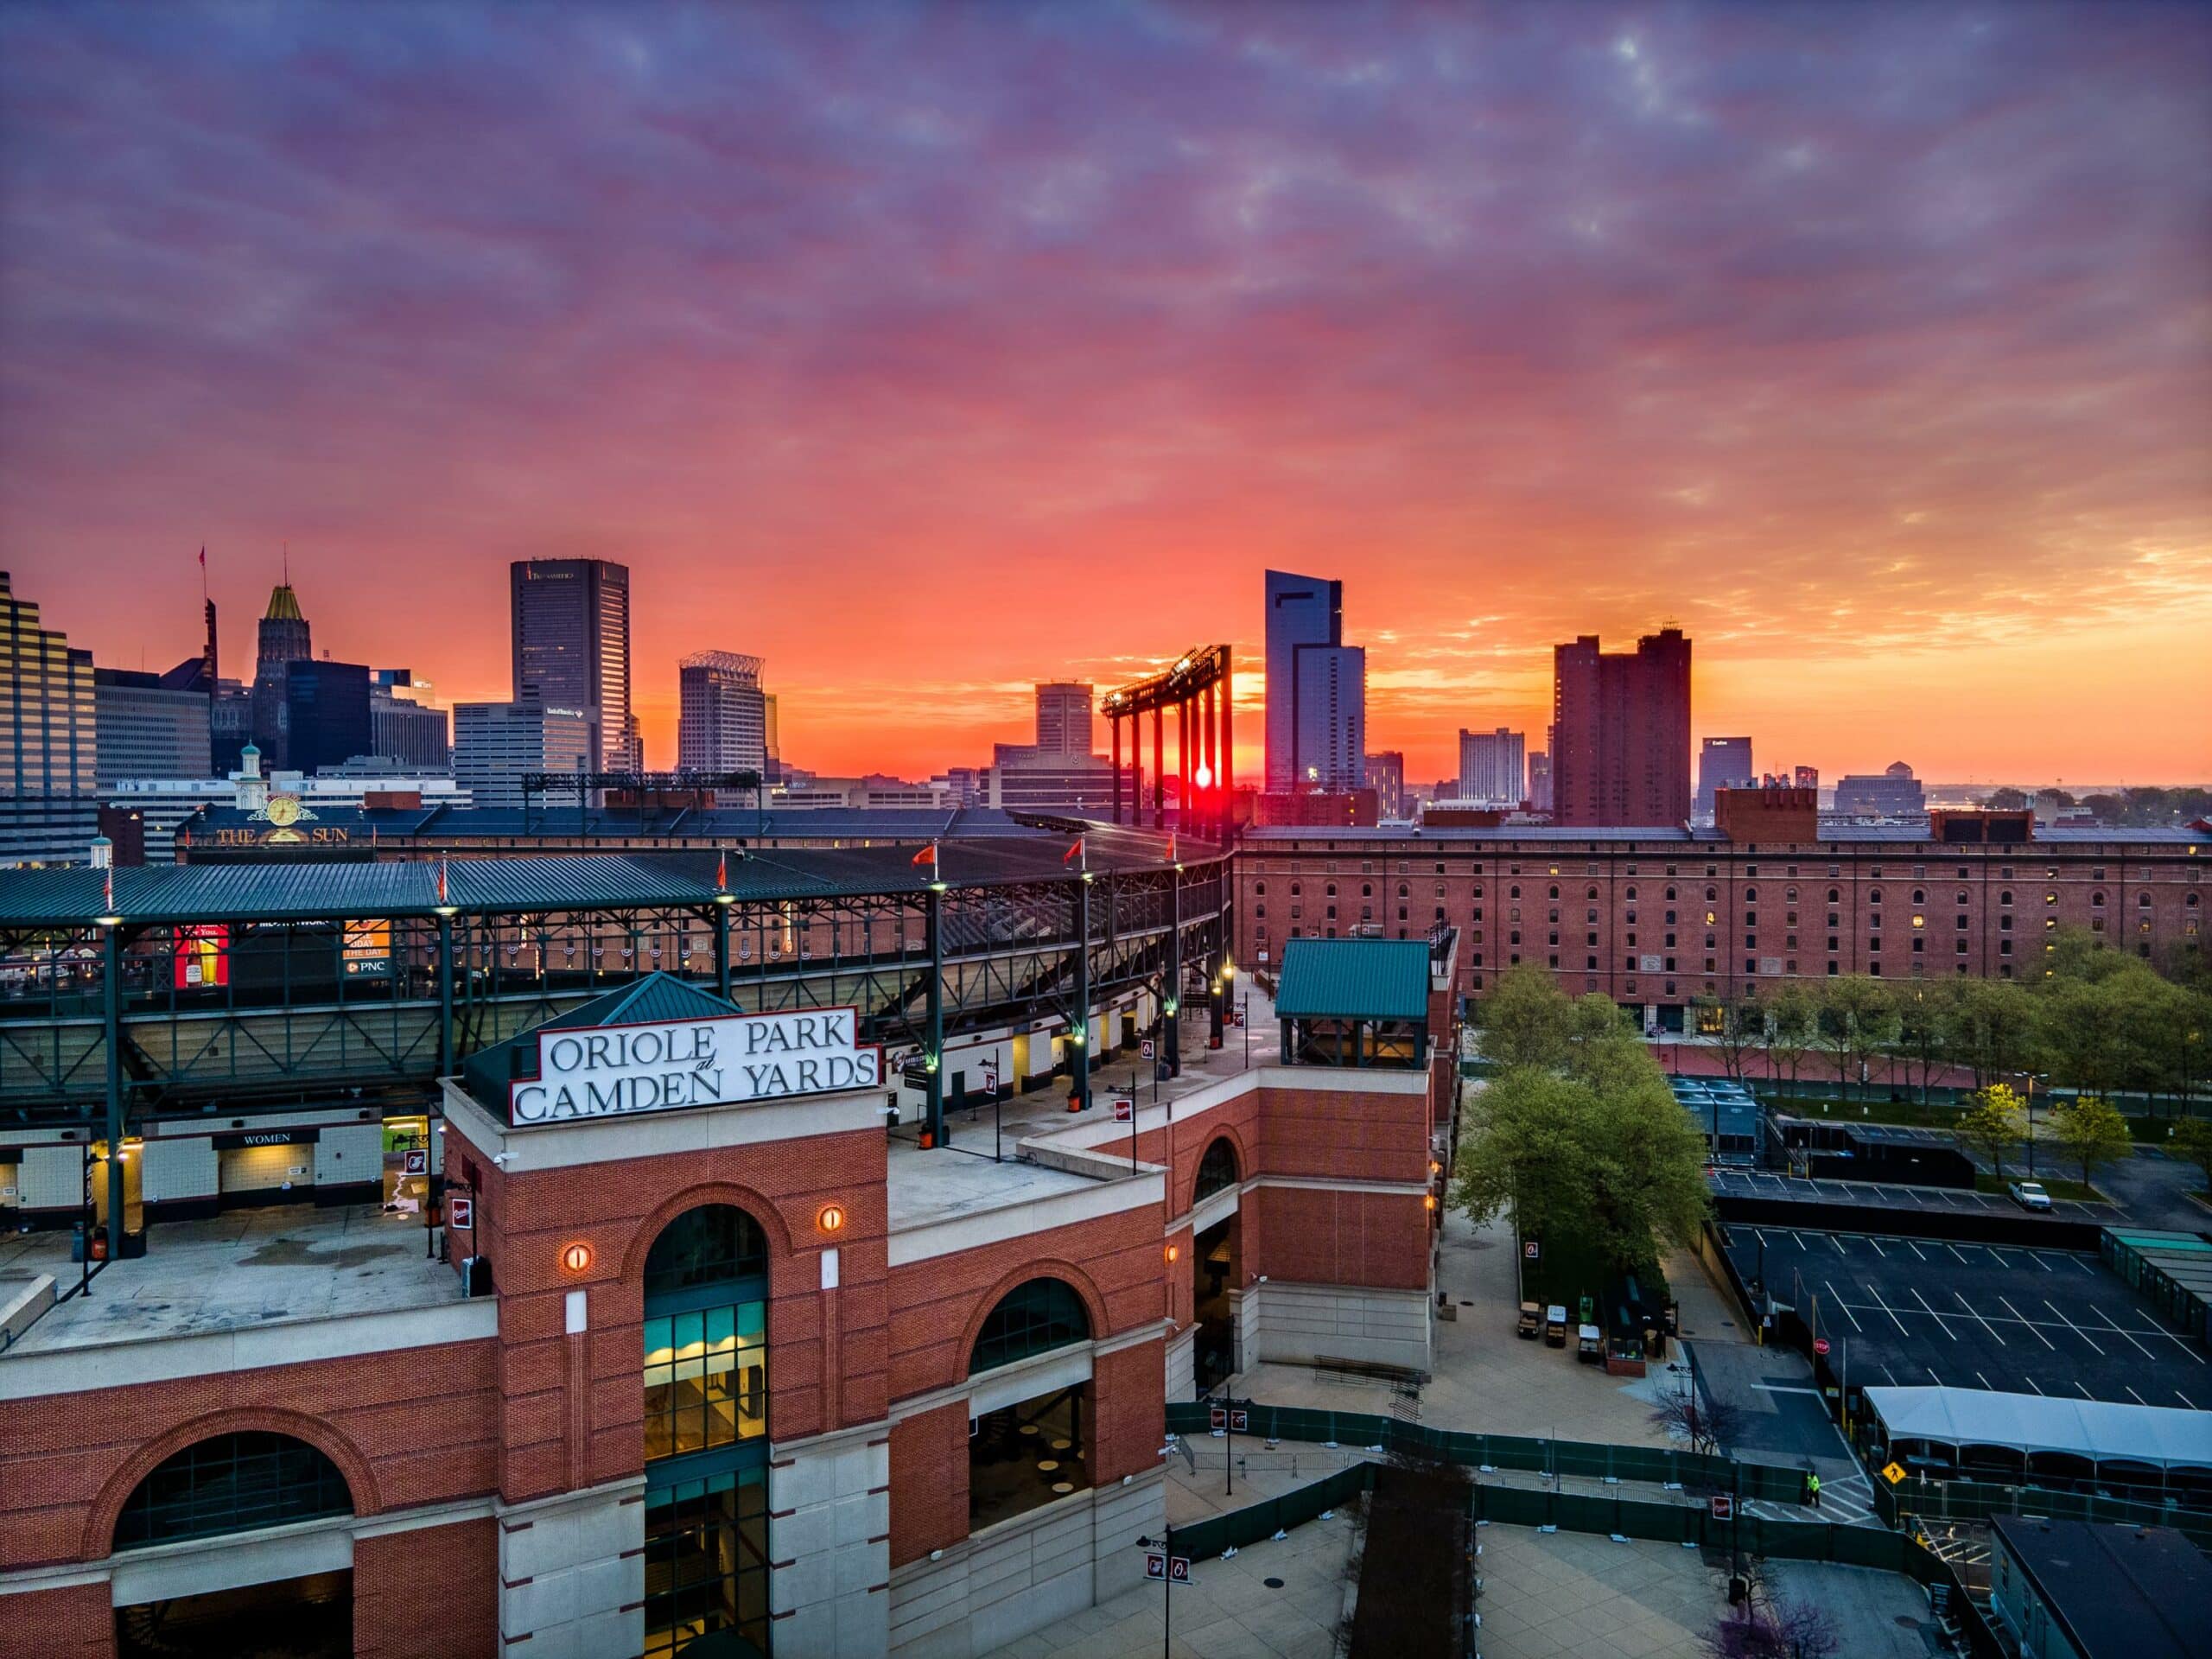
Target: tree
(1595, 1146)
(1526, 1020)
(2006, 800)
(1739, 1027)
(1710, 1426)
(2090, 1131)
(1857, 1020)
(1776, 1630)
(2084, 1033)
(2192, 1139)
(1993, 1028)
(1923, 1016)
(1793, 1019)
(1992, 1126)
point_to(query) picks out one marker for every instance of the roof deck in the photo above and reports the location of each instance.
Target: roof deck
(960, 1178)
(246, 1269)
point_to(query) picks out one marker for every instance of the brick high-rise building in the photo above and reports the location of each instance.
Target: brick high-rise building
(1493, 767)
(723, 723)
(1621, 732)
(1722, 763)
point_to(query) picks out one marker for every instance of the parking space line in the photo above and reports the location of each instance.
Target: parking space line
(2031, 1382)
(2032, 1324)
(2070, 1326)
(2185, 1400)
(1954, 1249)
(1984, 1381)
(1985, 1325)
(2036, 1257)
(1902, 1329)
(2151, 1331)
(1933, 1314)
(2136, 1397)
(1836, 1239)
(1845, 1305)
(1877, 1243)
(1915, 1249)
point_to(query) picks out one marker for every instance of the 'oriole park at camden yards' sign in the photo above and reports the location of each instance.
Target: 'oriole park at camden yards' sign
(600, 1071)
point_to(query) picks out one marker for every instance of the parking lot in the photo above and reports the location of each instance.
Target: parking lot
(1885, 1195)
(1917, 1310)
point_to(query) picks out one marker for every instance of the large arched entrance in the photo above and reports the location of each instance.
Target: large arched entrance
(706, 1432)
(1216, 1263)
(1031, 1450)
(225, 1484)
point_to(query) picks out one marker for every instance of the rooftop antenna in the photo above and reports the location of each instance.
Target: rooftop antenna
(288, 564)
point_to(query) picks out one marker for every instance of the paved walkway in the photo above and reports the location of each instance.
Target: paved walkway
(1274, 1600)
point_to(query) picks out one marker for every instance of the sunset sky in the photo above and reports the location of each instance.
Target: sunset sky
(932, 351)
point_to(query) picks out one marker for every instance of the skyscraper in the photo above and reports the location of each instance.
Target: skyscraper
(1621, 732)
(327, 713)
(1493, 767)
(1064, 718)
(1540, 780)
(722, 723)
(571, 624)
(282, 639)
(148, 728)
(1386, 776)
(1722, 763)
(49, 813)
(1317, 689)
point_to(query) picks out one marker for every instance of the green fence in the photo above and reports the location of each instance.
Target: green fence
(1684, 1524)
(1594, 1460)
(1969, 1500)
(1249, 1525)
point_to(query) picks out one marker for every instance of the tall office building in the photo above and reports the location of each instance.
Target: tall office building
(148, 728)
(571, 627)
(774, 770)
(48, 812)
(1893, 792)
(1064, 718)
(495, 743)
(1807, 777)
(722, 722)
(1540, 781)
(1722, 763)
(1621, 732)
(407, 728)
(281, 640)
(327, 714)
(1493, 767)
(1317, 689)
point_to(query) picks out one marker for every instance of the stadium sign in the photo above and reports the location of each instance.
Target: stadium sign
(604, 1070)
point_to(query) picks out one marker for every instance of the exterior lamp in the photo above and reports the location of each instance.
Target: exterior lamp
(576, 1258)
(1172, 1252)
(831, 1218)
(1078, 1037)
(1171, 1007)
(929, 1064)
(447, 910)
(725, 898)
(110, 921)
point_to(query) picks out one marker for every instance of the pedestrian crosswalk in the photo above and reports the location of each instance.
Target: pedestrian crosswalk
(1845, 1501)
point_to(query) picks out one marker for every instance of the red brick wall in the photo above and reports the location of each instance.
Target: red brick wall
(429, 1593)
(78, 1622)
(1317, 1235)
(1353, 1137)
(1129, 1394)
(406, 1428)
(573, 1405)
(1479, 876)
(929, 1482)
(1113, 1263)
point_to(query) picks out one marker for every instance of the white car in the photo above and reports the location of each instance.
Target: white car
(2029, 1195)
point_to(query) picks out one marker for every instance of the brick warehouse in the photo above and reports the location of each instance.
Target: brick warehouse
(769, 1369)
(1654, 918)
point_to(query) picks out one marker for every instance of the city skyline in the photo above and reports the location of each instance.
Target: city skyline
(1884, 382)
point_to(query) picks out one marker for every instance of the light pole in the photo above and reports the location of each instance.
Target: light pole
(2034, 1078)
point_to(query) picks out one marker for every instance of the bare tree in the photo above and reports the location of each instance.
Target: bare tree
(1774, 1629)
(1707, 1424)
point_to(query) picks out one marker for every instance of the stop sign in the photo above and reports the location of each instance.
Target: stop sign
(1820, 1346)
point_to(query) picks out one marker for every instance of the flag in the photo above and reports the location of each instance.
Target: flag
(721, 873)
(927, 855)
(1074, 852)
(442, 880)
(1170, 847)
(203, 558)
(107, 892)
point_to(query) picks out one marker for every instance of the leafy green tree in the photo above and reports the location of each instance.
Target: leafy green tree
(1793, 1016)
(2006, 800)
(2091, 1132)
(1859, 1019)
(1526, 1020)
(2083, 1030)
(1592, 1145)
(1992, 1125)
(1924, 1021)
(2192, 1139)
(1993, 1028)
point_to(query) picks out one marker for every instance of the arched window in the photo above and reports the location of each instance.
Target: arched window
(1920, 895)
(1834, 895)
(232, 1483)
(1217, 1170)
(2142, 901)
(1711, 894)
(1751, 895)
(1632, 895)
(1592, 893)
(709, 1249)
(706, 1372)
(1032, 1318)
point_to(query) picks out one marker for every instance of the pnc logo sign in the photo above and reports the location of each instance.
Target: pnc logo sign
(714, 1062)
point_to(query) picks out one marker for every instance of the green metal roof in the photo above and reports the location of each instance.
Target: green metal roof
(1354, 979)
(657, 999)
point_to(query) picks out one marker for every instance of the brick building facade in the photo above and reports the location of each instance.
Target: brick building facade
(1655, 918)
(917, 1408)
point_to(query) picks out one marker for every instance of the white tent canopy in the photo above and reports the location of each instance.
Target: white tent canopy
(2097, 1429)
